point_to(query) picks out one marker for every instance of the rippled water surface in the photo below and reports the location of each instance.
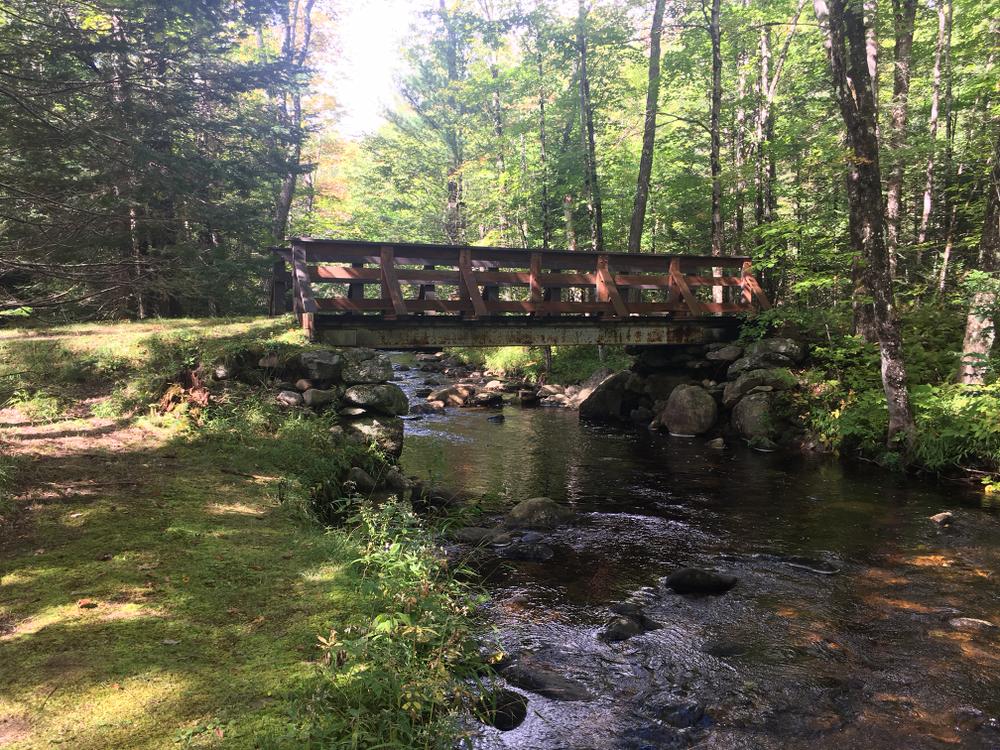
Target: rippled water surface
(866, 657)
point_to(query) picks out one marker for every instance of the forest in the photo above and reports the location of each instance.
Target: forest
(156, 153)
(200, 545)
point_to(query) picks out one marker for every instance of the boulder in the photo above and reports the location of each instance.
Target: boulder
(502, 708)
(377, 369)
(698, 581)
(361, 479)
(351, 411)
(690, 410)
(527, 552)
(537, 513)
(527, 397)
(604, 404)
(423, 392)
(529, 674)
(430, 407)
(785, 347)
(727, 353)
(752, 416)
(386, 433)
(384, 398)
(304, 384)
(322, 365)
(290, 398)
(550, 390)
(477, 535)
(453, 395)
(394, 481)
(319, 398)
(775, 379)
(494, 385)
(629, 620)
(268, 361)
(762, 361)
(486, 399)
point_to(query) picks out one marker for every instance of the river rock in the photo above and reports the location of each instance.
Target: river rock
(522, 552)
(629, 620)
(698, 581)
(429, 407)
(690, 410)
(727, 353)
(361, 479)
(528, 397)
(752, 416)
(604, 404)
(485, 399)
(717, 444)
(681, 713)
(543, 679)
(784, 347)
(537, 513)
(503, 709)
(384, 398)
(351, 412)
(453, 395)
(376, 369)
(289, 398)
(319, 398)
(944, 518)
(385, 432)
(476, 534)
(304, 384)
(970, 624)
(429, 356)
(322, 365)
(775, 379)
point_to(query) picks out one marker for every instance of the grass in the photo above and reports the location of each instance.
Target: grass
(163, 581)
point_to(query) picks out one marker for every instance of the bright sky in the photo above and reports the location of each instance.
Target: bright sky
(371, 36)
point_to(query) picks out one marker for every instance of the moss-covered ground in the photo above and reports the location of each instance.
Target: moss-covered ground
(161, 581)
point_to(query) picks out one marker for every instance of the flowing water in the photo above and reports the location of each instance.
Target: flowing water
(841, 632)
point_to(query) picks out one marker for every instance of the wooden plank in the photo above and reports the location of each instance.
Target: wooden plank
(343, 304)
(390, 284)
(693, 303)
(536, 293)
(755, 288)
(301, 284)
(713, 280)
(428, 291)
(607, 290)
(280, 279)
(470, 289)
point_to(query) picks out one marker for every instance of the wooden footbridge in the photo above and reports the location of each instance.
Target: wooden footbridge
(352, 293)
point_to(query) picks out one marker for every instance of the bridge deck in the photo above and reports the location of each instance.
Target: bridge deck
(407, 294)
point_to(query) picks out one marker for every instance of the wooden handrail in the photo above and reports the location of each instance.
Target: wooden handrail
(478, 282)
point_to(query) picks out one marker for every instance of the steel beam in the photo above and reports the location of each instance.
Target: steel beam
(372, 331)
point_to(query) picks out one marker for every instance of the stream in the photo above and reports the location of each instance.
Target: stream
(856, 621)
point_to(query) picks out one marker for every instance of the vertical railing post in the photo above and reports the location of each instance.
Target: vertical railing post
(279, 288)
(356, 291)
(536, 294)
(306, 305)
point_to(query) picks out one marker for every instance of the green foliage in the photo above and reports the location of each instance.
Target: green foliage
(570, 364)
(397, 676)
(957, 425)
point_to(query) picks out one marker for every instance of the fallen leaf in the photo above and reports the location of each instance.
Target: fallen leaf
(169, 642)
(86, 604)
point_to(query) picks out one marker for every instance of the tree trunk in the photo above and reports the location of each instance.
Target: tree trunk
(928, 202)
(846, 47)
(454, 219)
(718, 240)
(589, 140)
(568, 219)
(904, 12)
(980, 326)
(295, 53)
(648, 132)
(542, 150)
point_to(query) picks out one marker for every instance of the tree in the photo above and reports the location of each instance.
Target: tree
(587, 133)
(843, 21)
(648, 131)
(715, 113)
(980, 327)
(903, 12)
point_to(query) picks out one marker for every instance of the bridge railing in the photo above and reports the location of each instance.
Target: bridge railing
(397, 280)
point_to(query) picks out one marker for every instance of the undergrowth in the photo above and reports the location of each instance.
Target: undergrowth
(570, 364)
